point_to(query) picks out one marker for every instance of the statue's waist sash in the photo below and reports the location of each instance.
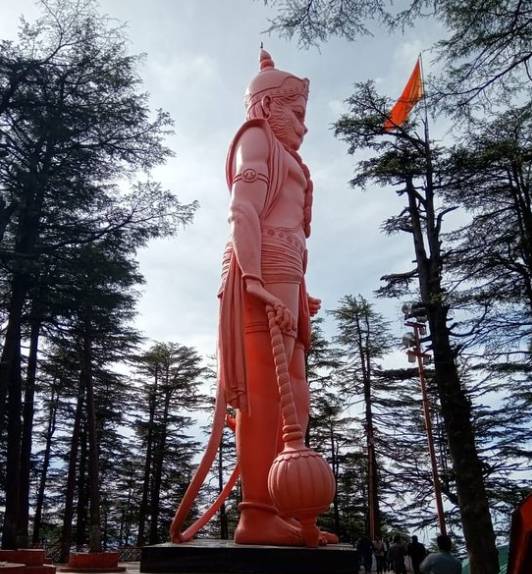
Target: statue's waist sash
(283, 256)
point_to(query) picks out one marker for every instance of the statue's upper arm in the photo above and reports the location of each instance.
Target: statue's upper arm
(249, 192)
(252, 150)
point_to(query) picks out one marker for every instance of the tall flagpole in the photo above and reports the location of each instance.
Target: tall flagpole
(417, 331)
(428, 154)
(424, 99)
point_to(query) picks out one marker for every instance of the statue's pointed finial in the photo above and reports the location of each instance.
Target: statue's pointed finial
(265, 59)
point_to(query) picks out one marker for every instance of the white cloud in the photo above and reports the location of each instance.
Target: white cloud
(408, 53)
(195, 73)
(200, 57)
(338, 107)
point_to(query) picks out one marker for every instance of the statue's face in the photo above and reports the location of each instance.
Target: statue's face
(287, 120)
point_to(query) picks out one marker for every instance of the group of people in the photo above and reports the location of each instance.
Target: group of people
(391, 556)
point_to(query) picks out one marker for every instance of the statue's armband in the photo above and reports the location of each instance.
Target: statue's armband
(250, 175)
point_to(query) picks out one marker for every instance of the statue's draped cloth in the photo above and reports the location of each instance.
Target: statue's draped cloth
(231, 353)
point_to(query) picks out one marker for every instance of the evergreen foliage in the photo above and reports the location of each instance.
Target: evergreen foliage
(97, 440)
(74, 128)
(171, 376)
(486, 46)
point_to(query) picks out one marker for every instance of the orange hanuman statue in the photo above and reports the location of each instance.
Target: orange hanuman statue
(264, 328)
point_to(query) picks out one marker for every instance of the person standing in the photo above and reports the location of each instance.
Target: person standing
(442, 562)
(380, 554)
(397, 556)
(388, 562)
(357, 556)
(365, 550)
(417, 553)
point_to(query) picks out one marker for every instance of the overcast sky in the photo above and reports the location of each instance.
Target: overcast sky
(201, 54)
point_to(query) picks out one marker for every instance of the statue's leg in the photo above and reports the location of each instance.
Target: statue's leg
(300, 390)
(257, 434)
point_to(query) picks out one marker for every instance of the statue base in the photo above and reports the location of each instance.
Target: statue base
(212, 556)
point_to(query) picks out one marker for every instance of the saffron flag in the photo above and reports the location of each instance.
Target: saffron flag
(411, 95)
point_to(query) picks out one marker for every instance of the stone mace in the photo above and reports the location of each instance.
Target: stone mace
(300, 481)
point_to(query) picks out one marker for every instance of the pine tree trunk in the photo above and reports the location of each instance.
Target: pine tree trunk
(26, 236)
(10, 361)
(224, 529)
(373, 493)
(124, 517)
(520, 193)
(122, 524)
(307, 431)
(373, 501)
(10, 368)
(158, 461)
(334, 465)
(11, 384)
(66, 535)
(143, 509)
(6, 214)
(95, 535)
(309, 419)
(54, 401)
(29, 393)
(10, 534)
(363, 346)
(456, 410)
(83, 500)
(105, 531)
(127, 528)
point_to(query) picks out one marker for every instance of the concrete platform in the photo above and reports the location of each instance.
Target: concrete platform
(210, 556)
(33, 561)
(88, 570)
(11, 568)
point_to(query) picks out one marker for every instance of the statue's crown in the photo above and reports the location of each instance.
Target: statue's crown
(273, 82)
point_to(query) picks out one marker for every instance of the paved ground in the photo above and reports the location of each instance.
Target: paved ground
(134, 568)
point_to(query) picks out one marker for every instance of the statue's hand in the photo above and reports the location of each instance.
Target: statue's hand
(283, 315)
(314, 305)
(284, 318)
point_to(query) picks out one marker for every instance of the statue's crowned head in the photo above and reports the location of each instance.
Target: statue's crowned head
(271, 93)
(274, 83)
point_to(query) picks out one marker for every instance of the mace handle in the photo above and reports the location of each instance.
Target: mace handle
(291, 428)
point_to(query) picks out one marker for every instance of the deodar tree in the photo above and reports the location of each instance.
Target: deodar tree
(171, 375)
(73, 125)
(364, 337)
(491, 258)
(407, 162)
(486, 47)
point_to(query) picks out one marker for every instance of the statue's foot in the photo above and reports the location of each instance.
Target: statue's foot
(328, 537)
(325, 536)
(260, 524)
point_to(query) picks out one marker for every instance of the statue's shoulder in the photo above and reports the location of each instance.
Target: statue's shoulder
(254, 126)
(254, 135)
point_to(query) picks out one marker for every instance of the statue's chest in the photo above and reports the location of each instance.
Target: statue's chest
(295, 172)
(295, 184)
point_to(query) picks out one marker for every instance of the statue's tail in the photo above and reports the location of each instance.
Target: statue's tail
(176, 535)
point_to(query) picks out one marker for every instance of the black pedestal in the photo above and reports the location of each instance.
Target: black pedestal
(210, 556)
